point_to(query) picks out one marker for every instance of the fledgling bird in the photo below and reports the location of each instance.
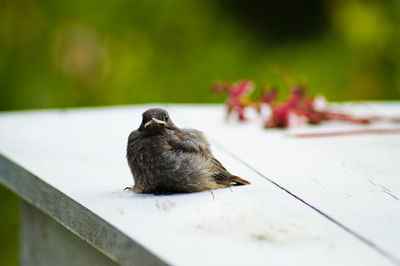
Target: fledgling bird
(165, 159)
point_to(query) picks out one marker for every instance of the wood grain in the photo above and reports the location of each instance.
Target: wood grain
(81, 154)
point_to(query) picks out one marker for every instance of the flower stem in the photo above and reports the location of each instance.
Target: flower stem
(347, 132)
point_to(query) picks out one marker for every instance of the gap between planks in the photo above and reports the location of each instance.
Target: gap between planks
(330, 218)
(347, 229)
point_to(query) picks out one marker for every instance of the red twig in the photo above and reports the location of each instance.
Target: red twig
(347, 133)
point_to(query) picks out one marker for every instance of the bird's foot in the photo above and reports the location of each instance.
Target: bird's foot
(129, 188)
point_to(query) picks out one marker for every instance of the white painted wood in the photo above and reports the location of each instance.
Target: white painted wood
(82, 154)
(354, 179)
(44, 242)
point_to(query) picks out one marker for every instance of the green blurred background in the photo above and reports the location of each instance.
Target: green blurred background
(57, 54)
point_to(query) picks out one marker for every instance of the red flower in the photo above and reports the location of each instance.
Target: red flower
(297, 104)
(297, 108)
(237, 96)
(301, 105)
(269, 96)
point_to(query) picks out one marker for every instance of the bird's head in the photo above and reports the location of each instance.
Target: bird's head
(155, 121)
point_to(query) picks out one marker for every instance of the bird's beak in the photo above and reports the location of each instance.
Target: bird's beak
(155, 120)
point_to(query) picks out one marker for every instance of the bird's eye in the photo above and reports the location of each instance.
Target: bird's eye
(166, 118)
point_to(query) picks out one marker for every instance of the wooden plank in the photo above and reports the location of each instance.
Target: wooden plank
(81, 153)
(91, 228)
(352, 179)
(40, 234)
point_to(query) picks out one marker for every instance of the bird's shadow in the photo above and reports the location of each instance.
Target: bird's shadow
(211, 193)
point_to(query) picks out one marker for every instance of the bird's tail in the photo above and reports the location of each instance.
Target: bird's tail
(238, 181)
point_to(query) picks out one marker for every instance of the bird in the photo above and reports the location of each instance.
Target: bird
(165, 159)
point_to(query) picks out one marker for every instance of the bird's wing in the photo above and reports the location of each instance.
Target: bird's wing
(197, 135)
(187, 143)
(223, 177)
(129, 148)
(189, 140)
(134, 134)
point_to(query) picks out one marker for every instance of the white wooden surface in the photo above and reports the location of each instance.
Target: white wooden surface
(350, 213)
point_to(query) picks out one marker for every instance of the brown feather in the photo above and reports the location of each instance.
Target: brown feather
(239, 181)
(223, 177)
